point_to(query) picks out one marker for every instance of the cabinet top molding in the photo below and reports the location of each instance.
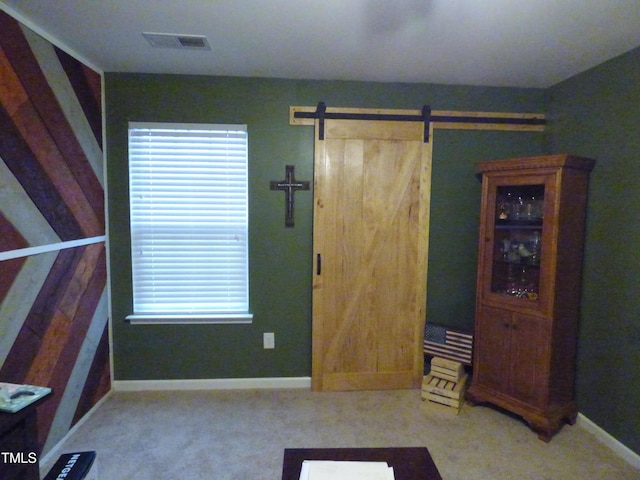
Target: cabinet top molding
(542, 161)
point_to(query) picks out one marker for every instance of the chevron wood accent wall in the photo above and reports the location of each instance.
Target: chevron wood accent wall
(53, 275)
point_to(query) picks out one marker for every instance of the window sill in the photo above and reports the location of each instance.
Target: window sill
(189, 319)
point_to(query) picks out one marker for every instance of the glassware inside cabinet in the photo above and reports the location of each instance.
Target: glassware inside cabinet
(517, 249)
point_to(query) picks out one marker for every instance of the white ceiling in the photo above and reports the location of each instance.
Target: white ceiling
(523, 43)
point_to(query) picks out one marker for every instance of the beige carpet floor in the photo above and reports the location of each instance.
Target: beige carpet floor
(241, 435)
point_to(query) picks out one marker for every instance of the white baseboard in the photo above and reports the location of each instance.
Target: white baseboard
(619, 448)
(212, 384)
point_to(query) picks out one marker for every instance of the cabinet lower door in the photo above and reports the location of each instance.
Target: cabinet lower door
(529, 360)
(492, 367)
(512, 355)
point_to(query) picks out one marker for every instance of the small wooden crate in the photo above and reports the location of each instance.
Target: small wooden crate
(447, 369)
(444, 392)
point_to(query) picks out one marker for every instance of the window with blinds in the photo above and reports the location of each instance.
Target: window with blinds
(189, 222)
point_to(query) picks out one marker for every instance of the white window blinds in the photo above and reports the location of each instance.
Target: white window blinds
(189, 219)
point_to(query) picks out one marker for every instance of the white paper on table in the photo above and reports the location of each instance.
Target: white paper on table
(344, 470)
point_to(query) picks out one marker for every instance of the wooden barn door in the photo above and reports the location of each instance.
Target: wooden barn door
(371, 221)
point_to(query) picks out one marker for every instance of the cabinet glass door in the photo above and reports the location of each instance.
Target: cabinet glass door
(517, 246)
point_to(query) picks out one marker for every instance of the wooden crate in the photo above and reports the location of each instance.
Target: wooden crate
(447, 369)
(444, 392)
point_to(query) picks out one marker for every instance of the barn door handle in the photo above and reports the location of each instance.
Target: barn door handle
(318, 264)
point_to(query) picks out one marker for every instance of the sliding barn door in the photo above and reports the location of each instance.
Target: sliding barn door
(371, 218)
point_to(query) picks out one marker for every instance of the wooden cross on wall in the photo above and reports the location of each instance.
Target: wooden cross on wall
(289, 186)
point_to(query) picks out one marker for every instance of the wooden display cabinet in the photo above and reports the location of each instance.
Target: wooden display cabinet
(528, 287)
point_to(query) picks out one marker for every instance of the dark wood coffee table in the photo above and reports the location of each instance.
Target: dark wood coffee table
(410, 463)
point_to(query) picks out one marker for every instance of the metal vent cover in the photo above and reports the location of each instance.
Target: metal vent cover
(178, 41)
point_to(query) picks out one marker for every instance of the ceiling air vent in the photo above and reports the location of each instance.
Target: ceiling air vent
(172, 40)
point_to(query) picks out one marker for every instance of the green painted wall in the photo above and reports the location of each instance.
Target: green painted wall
(597, 114)
(280, 258)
